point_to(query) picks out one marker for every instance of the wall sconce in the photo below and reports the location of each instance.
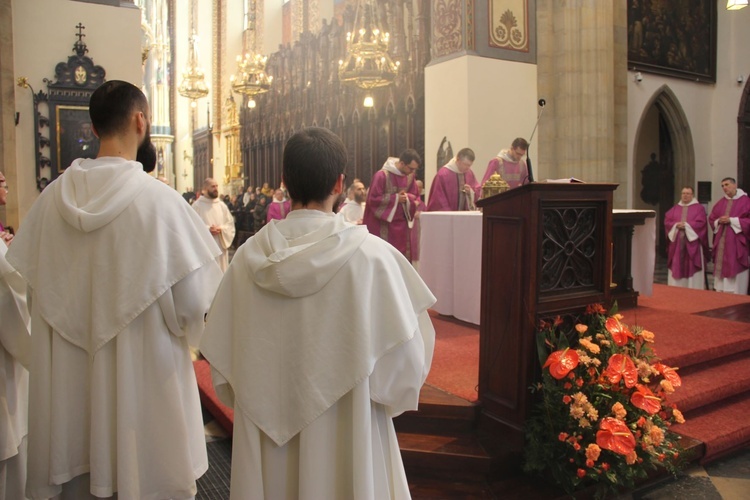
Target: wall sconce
(740, 79)
(638, 77)
(369, 102)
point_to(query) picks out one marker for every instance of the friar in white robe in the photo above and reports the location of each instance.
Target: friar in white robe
(313, 380)
(15, 346)
(217, 217)
(121, 271)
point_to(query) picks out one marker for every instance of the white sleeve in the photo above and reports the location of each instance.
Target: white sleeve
(398, 375)
(690, 233)
(14, 318)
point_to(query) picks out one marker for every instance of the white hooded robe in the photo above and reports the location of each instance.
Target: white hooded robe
(121, 271)
(318, 336)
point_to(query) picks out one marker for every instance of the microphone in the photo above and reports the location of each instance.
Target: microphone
(542, 103)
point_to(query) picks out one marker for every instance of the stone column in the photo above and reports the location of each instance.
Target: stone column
(480, 85)
(582, 74)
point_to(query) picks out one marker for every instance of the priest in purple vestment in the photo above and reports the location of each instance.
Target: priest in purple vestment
(393, 204)
(687, 229)
(730, 221)
(510, 165)
(279, 207)
(455, 188)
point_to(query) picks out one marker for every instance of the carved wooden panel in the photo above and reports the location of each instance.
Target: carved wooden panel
(306, 92)
(569, 242)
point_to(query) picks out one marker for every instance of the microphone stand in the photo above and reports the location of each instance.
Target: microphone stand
(530, 177)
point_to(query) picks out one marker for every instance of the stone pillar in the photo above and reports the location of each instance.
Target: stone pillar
(8, 115)
(480, 85)
(582, 74)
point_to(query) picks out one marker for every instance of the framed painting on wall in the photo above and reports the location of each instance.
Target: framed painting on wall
(673, 37)
(74, 137)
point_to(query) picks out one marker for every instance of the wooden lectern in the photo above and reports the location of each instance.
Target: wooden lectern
(546, 251)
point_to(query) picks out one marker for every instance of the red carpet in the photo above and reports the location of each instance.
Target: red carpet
(705, 334)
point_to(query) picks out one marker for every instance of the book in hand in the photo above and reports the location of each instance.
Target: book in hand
(566, 180)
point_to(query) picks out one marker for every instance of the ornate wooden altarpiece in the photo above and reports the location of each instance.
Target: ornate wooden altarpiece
(306, 92)
(69, 135)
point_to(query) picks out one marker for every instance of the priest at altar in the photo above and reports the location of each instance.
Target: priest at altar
(455, 188)
(509, 163)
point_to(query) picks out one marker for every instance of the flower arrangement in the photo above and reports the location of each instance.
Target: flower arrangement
(602, 419)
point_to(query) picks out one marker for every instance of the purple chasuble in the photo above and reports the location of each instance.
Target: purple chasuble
(730, 248)
(684, 257)
(382, 197)
(514, 173)
(446, 192)
(278, 211)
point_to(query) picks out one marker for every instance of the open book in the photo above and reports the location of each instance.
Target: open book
(568, 180)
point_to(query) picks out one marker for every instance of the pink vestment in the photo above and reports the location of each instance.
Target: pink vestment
(446, 192)
(684, 255)
(390, 220)
(731, 247)
(278, 210)
(515, 173)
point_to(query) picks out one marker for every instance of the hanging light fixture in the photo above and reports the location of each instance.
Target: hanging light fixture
(251, 78)
(367, 63)
(193, 85)
(736, 4)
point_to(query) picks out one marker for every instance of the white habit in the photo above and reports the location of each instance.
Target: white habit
(15, 346)
(120, 271)
(318, 337)
(215, 212)
(352, 211)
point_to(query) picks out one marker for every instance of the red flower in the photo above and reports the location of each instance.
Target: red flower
(621, 367)
(615, 436)
(561, 363)
(605, 466)
(644, 399)
(567, 399)
(563, 436)
(595, 309)
(669, 374)
(580, 473)
(620, 333)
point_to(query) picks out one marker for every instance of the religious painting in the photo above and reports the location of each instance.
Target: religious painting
(673, 37)
(74, 135)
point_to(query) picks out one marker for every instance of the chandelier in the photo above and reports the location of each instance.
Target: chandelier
(251, 78)
(367, 63)
(736, 4)
(193, 85)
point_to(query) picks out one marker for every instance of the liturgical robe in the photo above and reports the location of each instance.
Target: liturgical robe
(215, 212)
(15, 346)
(318, 336)
(352, 211)
(446, 192)
(515, 173)
(278, 210)
(731, 243)
(397, 223)
(121, 272)
(688, 248)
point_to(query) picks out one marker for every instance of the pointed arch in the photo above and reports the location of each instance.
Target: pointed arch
(743, 138)
(666, 102)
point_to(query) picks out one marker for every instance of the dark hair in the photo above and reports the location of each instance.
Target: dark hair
(520, 142)
(688, 187)
(466, 154)
(314, 158)
(112, 105)
(729, 179)
(408, 156)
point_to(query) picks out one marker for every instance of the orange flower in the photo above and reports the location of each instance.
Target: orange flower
(621, 367)
(620, 332)
(615, 436)
(581, 328)
(669, 374)
(557, 321)
(595, 309)
(646, 336)
(631, 458)
(561, 362)
(677, 414)
(593, 451)
(644, 399)
(619, 411)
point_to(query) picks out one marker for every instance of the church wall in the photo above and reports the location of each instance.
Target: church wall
(43, 35)
(472, 101)
(711, 109)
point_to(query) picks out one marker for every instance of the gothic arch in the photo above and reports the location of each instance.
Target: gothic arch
(679, 130)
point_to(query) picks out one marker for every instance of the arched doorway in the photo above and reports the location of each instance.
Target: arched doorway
(664, 157)
(743, 139)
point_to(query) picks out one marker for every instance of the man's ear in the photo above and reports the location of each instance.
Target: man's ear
(140, 120)
(93, 129)
(338, 188)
